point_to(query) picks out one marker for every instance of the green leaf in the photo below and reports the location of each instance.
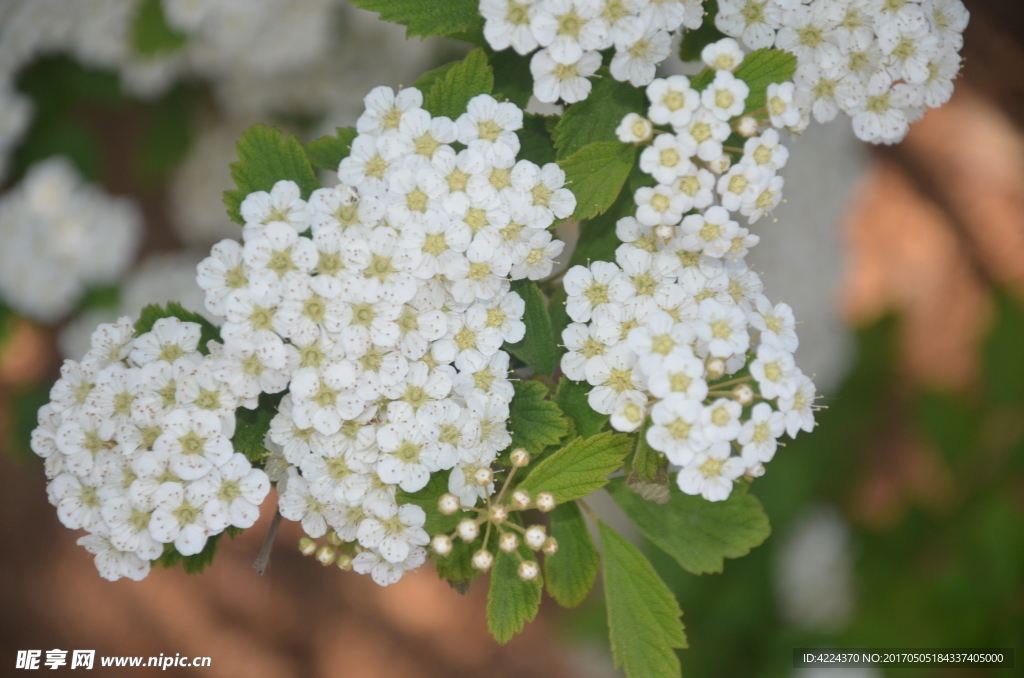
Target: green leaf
(427, 80)
(571, 396)
(252, 425)
(153, 312)
(151, 35)
(534, 422)
(449, 94)
(534, 142)
(648, 476)
(194, 564)
(696, 40)
(698, 533)
(598, 241)
(537, 347)
(559, 320)
(427, 17)
(596, 117)
(457, 567)
(1003, 357)
(764, 67)
(265, 157)
(579, 468)
(328, 151)
(512, 79)
(644, 623)
(511, 602)
(426, 499)
(595, 174)
(570, 573)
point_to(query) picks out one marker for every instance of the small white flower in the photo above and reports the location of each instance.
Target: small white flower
(489, 128)
(722, 329)
(178, 517)
(781, 105)
(614, 378)
(668, 158)
(193, 443)
(723, 55)
(760, 433)
(638, 61)
(796, 402)
(385, 573)
(582, 346)
(393, 531)
(569, 28)
(752, 21)
(235, 491)
(711, 233)
(553, 80)
(385, 109)
(676, 429)
(324, 398)
(298, 503)
(707, 132)
(710, 473)
(630, 413)
(535, 256)
(409, 454)
(220, 274)
(673, 101)
(634, 129)
(111, 562)
(507, 23)
(283, 204)
(726, 96)
(680, 374)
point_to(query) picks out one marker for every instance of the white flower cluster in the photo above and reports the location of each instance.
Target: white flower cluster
(137, 443)
(572, 33)
(678, 327)
(382, 305)
(60, 237)
(883, 62)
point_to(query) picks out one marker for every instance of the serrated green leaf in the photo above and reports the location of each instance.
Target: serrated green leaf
(644, 623)
(426, 498)
(427, 17)
(764, 67)
(426, 81)
(151, 35)
(534, 142)
(265, 157)
(596, 117)
(457, 566)
(470, 77)
(648, 475)
(328, 151)
(694, 41)
(534, 422)
(598, 241)
(194, 564)
(570, 573)
(701, 81)
(512, 79)
(511, 602)
(698, 533)
(579, 468)
(537, 347)
(150, 314)
(252, 425)
(595, 174)
(571, 396)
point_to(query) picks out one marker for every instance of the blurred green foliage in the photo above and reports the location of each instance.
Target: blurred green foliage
(947, 572)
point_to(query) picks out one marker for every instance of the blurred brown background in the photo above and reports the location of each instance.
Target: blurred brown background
(939, 221)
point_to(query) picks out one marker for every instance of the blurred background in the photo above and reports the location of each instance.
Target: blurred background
(898, 523)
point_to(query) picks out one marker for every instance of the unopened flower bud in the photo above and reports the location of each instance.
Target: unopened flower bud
(715, 367)
(498, 514)
(468, 530)
(482, 559)
(448, 504)
(326, 554)
(545, 501)
(528, 570)
(520, 500)
(509, 542)
(664, 231)
(520, 457)
(634, 129)
(307, 546)
(744, 394)
(720, 165)
(442, 544)
(535, 536)
(550, 547)
(344, 561)
(333, 539)
(747, 126)
(483, 476)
